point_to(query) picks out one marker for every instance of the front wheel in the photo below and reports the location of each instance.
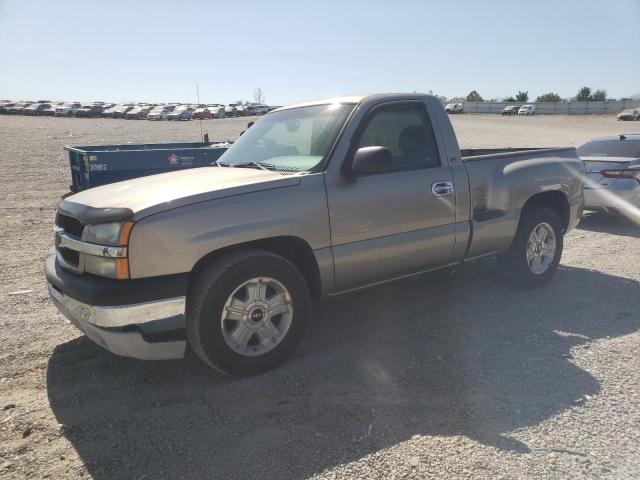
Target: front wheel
(247, 311)
(536, 250)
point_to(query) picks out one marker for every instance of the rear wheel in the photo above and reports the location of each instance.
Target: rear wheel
(247, 311)
(536, 250)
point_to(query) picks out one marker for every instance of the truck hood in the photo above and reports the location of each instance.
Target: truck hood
(140, 197)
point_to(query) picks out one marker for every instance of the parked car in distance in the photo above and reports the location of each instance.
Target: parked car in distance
(18, 108)
(231, 110)
(202, 114)
(158, 113)
(133, 113)
(262, 109)
(181, 113)
(137, 113)
(527, 110)
(217, 112)
(121, 111)
(510, 110)
(629, 114)
(257, 109)
(50, 111)
(612, 167)
(89, 111)
(4, 107)
(108, 111)
(36, 109)
(68, 109)
(386, 170)
(454, 108)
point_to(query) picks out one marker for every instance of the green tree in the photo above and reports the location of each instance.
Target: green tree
(549, 97)
(456, 100)
(509, 99)
(474, 96)
(599, 95)
(584, 95)
(522, 96)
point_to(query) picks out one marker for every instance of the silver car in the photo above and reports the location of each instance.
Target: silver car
(612, 165)
(629, 114)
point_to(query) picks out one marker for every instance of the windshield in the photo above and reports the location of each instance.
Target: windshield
(611, 148)
(297, 139)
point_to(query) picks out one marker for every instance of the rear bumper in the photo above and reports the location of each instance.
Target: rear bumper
(137, 328)
(621, 195)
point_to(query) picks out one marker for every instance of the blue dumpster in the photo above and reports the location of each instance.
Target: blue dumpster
(96, 165)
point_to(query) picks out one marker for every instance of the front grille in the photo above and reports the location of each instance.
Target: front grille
(70, 225)
(70, 256)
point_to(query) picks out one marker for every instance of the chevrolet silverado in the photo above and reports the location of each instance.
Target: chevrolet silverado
(314, 200)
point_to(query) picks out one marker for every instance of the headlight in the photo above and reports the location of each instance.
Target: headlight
(115, 233)
(117, 268)
(111, 234)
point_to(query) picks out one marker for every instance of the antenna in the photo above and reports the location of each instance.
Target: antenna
(200, 119)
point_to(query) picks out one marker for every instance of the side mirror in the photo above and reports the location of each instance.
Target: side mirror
(371, 160)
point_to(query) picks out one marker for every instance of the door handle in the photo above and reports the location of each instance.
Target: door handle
(441, 189)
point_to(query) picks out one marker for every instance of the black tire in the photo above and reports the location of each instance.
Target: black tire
(212, 287)
(514, 264)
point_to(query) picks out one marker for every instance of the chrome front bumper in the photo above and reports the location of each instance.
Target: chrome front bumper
(119, 329)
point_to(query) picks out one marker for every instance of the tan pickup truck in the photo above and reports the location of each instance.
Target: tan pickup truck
(315, 199)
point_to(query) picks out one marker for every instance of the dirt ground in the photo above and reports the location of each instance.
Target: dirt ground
(449, 375)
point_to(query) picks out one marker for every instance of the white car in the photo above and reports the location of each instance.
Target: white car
(527, 110)
(68, 109)
(454, 108)
(158, 113)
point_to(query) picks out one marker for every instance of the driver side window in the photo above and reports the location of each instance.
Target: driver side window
(406, 131)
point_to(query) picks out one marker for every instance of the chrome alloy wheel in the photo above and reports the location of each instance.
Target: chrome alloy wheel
(256, 317)
(541, 248)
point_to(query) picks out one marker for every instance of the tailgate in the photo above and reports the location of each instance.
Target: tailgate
(594, 165)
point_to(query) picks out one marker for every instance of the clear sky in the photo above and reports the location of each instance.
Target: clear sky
(296, 50)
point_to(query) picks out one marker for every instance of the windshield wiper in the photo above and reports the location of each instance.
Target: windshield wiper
(255, 165)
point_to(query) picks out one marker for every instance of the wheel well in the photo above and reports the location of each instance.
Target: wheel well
(556, 201)
(294, 249)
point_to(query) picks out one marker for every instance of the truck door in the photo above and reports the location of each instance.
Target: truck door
(399, 222)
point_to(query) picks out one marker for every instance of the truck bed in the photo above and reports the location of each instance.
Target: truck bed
(472, 153)
(500, 181)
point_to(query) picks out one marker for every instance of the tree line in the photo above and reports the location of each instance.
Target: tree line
(585, 94)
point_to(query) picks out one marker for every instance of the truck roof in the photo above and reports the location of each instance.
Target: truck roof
(356, 99)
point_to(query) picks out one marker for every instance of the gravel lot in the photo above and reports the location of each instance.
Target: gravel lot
(450, 375)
